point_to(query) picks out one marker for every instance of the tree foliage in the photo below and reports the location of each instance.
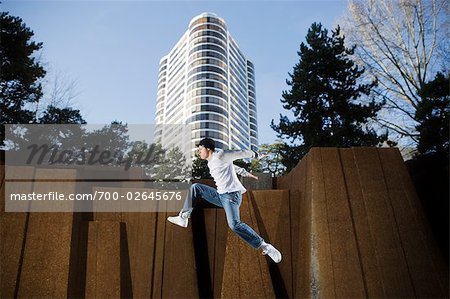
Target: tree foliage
(21, 79)
(432, 113)
(21, 72)
(402, 43)
(55, 115)
(325, 99)
(113, 138)
(200, 168)
(173, 167)
(273, 163)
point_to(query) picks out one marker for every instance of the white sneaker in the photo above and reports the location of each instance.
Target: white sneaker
(273, 253)
(178, 220)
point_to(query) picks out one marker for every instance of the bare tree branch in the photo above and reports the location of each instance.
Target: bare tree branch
(397, 129)
(401, 43)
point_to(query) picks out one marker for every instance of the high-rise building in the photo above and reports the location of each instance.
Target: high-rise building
(207, 85)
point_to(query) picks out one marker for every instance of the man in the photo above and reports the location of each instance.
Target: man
(228, 194)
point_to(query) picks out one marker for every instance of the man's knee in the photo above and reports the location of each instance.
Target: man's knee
(194, 188)
(196, 191)
(235, 225)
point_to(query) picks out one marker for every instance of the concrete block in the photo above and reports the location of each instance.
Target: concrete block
(46, 257)
(272, 211)
(103, 260)
(179, 276)
(13, 227)
(429, 277)
(389, 255)
(141, 235)
(345, 259)
(321, 247)
(371, 269)
(264, 182)
(246, 272)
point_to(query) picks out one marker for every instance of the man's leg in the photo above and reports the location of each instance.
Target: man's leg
(195, 192)
(231, 203)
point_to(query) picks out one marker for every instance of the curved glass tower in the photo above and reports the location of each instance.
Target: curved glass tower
(206, 82)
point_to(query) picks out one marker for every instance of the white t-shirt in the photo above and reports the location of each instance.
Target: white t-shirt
(224, 171)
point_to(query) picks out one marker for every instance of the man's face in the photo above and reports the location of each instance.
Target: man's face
(203, 152)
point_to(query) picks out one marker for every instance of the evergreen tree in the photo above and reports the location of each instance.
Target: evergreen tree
(20, 72)
(200, 168)
(272, 163)
(21, 89)
(432, 112)
(55, 115)
(113, 138)
(174, 167)
(325, 99)
(429, 169)
(146, 156)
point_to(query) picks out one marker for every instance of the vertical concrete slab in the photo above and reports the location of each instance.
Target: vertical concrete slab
(371, 269)
(283, 182)
(179, 278)
(102, 204)
(46, 257)
(210, 230)
(220, 244)
(159, 253)
(264, 182)
(383, 225)
(347, 272)
(15, 179)
(272, 210)
(103, 260)
(300, 203)
(136, 178)
(231, 286)
(422, 255)
(246, 273)
(12, 231)
(141, 235)
(146, 235)
(321, 264)
(78, 255)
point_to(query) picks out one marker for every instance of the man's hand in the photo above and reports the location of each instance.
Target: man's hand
(252, 176)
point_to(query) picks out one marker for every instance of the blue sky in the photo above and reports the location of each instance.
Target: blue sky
(111, 49)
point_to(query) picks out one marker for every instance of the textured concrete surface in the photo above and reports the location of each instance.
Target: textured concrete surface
(364, 226)
(264, 182)
(246, 272)
(46, 256)
(272, 211)
(348, 222)
(12, 232)
(103, 260)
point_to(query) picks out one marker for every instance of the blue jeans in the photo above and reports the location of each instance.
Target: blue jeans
(231, 202)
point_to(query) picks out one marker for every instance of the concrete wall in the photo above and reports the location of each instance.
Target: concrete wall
(364, 228)
(348, 222)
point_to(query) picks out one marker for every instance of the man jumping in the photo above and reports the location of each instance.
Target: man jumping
(228, 194)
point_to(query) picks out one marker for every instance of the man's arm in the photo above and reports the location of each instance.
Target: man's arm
(231, 155)
(242, 172)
